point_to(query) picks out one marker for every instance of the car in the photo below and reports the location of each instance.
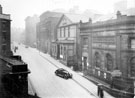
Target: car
(63, 73)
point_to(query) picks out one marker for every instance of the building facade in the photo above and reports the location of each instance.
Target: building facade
(108, 51)
(13, 71)
(46, 31)
(30, 30)
(68, 41)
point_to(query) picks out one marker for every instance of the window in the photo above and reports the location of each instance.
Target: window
(85, 41)
(3, 49)
(58, 33)
(61, 50)
(97, 60)
(68, 31)
(64, 35)
(132, 69)
(4, 37)
(132, 43)
(109, 62)
(4, 25)
(62, 32)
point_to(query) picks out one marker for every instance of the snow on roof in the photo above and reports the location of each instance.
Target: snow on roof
(77, 17)
(105, 18)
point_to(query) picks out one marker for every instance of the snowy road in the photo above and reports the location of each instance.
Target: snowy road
(45, 82)
(48, 85)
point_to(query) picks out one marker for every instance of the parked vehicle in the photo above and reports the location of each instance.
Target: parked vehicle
(63, 73)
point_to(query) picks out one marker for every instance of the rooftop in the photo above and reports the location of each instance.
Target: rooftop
(5, 16)
(75, 18)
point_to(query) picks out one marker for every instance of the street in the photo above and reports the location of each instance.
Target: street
(47, 85)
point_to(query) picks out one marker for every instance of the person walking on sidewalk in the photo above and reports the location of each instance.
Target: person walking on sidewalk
(100, 91)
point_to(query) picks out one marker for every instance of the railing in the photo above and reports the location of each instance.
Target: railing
(124, 84)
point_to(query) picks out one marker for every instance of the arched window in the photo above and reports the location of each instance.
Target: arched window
(109, 62)
(132, 64)
(97, 59)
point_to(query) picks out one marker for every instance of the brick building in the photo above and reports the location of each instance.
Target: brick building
(108, 51)
(13, 71)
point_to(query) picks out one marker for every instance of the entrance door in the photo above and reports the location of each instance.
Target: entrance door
(85, 63)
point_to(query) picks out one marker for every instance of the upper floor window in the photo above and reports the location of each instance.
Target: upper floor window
(62, 32)
(64, 35)
(3, 48)
(72, 31)
(4, 37)
(132, 43)
(85, 41)
(68, 31)
(109, 62)
(97, 60)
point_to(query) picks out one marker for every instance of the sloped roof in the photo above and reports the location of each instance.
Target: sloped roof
(77, 17)
(105, 18)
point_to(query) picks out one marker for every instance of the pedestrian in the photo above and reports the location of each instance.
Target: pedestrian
(101, 92)
(99, 89)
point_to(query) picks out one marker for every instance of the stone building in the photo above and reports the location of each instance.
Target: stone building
(108, 50)
(30, 30)
(13, 71)
(68, 39)
(46, 31)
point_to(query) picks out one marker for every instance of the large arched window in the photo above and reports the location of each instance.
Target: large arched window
(132, 64)
(109, 62)
(97, 60)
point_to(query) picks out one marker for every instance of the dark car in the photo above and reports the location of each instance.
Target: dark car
(63, 73)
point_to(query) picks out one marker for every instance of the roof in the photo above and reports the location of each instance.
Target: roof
(50, 14)
(105, 18)
(12, 61)
(77, 17)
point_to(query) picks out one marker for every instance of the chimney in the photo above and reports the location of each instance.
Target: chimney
(80, 21)
(0, 9)
(90, 20)
(118, 14)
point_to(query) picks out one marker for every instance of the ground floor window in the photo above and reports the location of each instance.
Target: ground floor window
(109, 62)
(132, 65)
(97, 60)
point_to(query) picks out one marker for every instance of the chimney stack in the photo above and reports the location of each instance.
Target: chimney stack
(0, 9)
(118, 14)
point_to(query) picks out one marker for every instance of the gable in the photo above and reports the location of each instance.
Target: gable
(64, 21)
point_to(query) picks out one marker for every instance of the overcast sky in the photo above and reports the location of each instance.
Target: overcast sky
(20, 9)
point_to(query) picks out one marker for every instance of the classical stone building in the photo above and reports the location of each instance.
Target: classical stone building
(108, 51)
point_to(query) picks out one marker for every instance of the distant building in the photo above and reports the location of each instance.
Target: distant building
(13, 71)
(125, 6)
(46, 30)
(30, 30)
(109, 47)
